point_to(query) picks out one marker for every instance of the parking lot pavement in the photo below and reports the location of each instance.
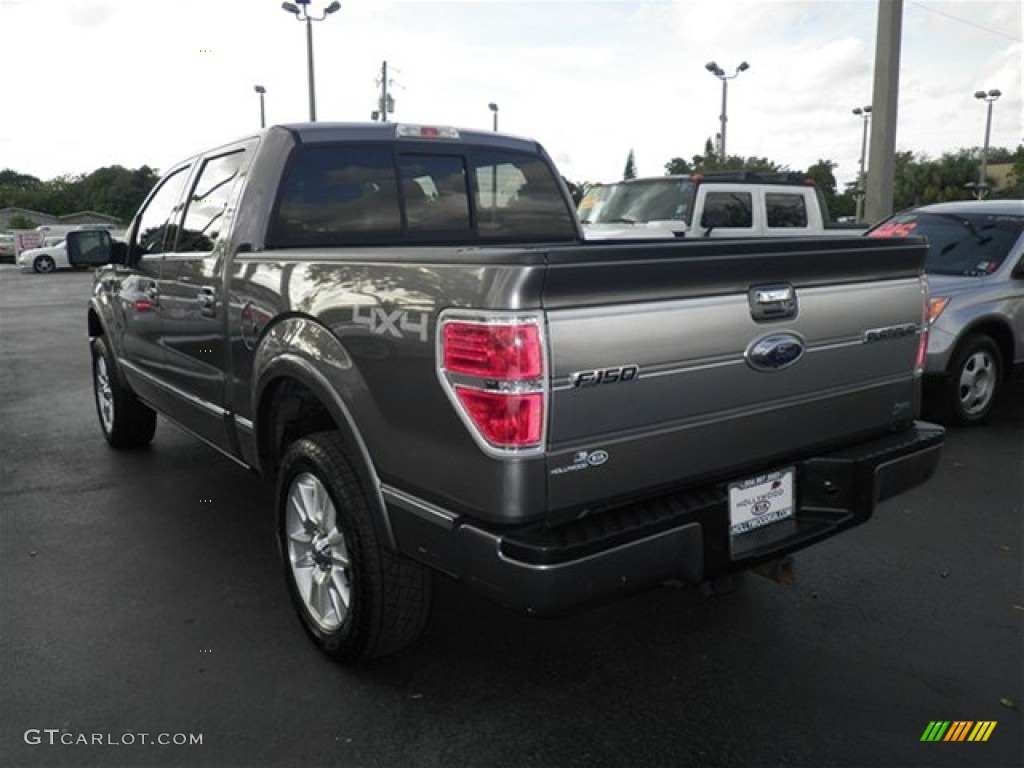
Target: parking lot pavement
(141, 601)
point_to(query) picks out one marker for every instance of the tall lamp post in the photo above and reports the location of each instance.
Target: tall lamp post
(494, 108)
(303, 15)
(990, 96)
(865, 114)
(718, 72)
(263, 115)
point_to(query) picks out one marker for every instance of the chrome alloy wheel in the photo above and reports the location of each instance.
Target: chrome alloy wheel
(104, 395)
(318, 553)
(977, 382)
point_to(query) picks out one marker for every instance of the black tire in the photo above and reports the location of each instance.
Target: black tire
(44, 265)
(973, 381)
(356, 598)
(126, 422)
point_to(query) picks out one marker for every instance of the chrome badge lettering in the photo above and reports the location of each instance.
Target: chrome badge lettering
(775, 352)
(890, 332)
(604, 376)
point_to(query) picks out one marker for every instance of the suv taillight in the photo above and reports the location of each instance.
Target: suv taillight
(493, 369)
(922, 341)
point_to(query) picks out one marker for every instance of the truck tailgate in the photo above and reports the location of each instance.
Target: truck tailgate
(690, 362)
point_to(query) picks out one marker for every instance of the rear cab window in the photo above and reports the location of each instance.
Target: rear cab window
(399, 192)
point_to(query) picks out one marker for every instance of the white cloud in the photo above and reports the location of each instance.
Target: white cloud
(149, 81)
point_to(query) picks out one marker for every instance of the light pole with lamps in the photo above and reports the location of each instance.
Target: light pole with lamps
(990, 96)
(303, 15)
(494, 108)
(865, 114)
(718, 72)
(263, 115)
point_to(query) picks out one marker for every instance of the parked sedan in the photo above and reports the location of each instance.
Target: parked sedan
(975, 269)
(45, 260)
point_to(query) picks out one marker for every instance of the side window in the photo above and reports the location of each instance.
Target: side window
(518, 197)
(337, 196)
(207, 203)
(785, 210)
(727, 209)
(434, 188)
(155, 221)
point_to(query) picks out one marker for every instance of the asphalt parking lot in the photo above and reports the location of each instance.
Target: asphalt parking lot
(141, 601)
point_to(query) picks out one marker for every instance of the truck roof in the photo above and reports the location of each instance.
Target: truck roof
(991, 207)
(722, 177)
(331, 132)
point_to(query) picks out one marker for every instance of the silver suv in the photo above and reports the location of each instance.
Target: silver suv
(975, 268)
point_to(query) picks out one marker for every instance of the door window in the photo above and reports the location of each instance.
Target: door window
(727, 209)
(157, 221)
(782, 210)
(207, 203)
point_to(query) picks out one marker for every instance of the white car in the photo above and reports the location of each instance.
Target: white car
(45, 260)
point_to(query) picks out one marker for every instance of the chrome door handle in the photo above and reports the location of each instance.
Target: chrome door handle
(207, 299)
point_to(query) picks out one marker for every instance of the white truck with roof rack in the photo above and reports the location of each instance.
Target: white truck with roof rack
(719, 204)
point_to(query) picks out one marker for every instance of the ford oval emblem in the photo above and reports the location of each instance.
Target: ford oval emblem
(775, 352)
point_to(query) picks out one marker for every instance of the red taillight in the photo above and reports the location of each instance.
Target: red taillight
(493, 351)
(922, 342)
(512, 421)
(493, 369)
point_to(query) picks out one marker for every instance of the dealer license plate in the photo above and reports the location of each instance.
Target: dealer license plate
(760, 501)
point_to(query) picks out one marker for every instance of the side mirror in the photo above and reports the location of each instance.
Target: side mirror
(1018, 271)
(89, 248)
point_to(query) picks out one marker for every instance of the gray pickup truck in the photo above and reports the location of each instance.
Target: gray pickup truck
(402, 327)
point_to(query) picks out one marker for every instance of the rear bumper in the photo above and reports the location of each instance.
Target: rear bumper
(549, 571)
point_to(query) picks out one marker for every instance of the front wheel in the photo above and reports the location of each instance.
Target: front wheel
(125, 421)
(356, 598)
(973, 382)
(44, 265)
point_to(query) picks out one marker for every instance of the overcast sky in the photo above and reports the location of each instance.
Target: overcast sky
(90, 83)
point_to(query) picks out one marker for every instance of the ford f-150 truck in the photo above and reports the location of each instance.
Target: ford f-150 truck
(402, 327)
(713, 204)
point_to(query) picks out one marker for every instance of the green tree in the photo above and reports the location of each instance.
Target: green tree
(1015, 182)
(677, 166)
(824, 179)
(18, 221)
(629, 172)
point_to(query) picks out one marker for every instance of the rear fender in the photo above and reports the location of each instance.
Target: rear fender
(300, 349)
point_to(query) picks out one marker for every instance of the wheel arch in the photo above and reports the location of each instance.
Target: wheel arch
(996, 329)
(294, 398)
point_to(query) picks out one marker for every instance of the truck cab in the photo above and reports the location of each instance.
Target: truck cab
(725, 204)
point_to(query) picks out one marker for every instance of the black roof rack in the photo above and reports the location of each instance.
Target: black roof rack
(760, 177)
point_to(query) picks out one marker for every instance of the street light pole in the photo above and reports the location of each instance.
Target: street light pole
(263, 115)
(718, 72)
(865, 114)
(990, 97)
(494, 108)
(304, 15)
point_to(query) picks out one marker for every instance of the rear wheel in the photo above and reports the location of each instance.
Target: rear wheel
(125, 421)
(973, 381)
(44, 265)
(356, 598)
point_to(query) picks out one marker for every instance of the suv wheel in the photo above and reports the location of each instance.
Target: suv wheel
(973, 381)
(356, 598)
